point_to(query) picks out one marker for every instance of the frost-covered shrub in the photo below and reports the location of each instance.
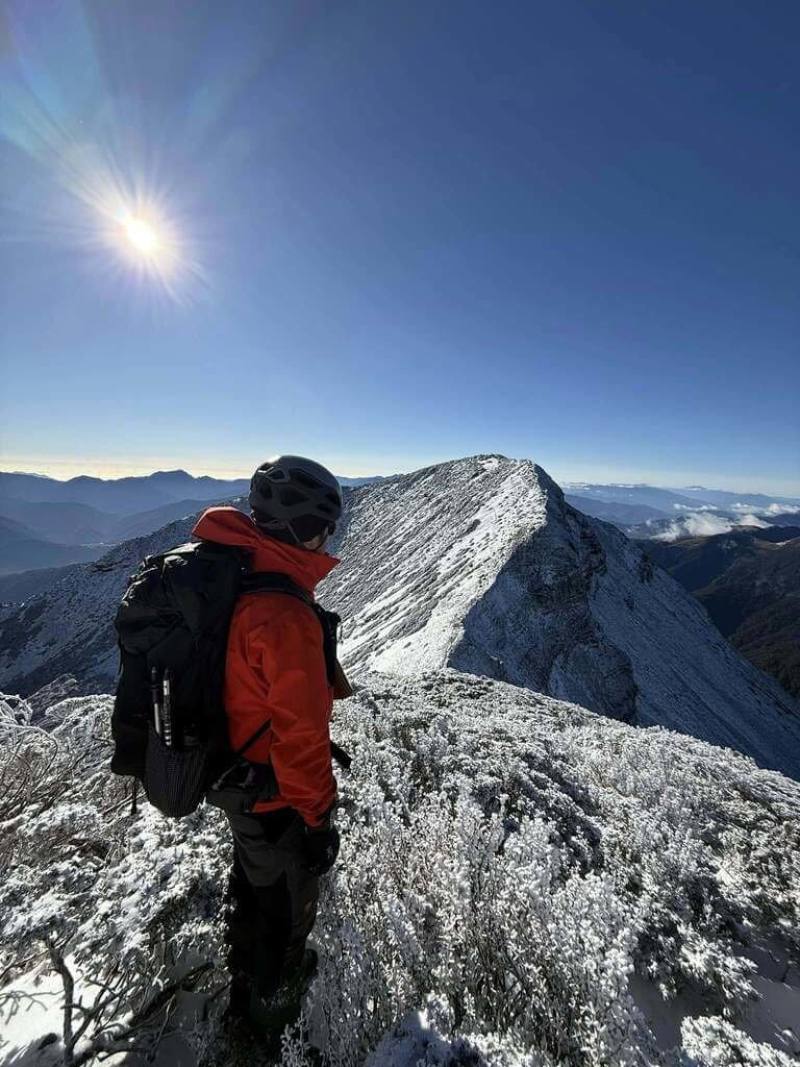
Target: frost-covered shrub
(516, 859)
(716, 1043)
(509, 864)
(110, 895)
(444, 900)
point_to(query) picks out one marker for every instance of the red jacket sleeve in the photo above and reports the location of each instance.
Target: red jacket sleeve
(290, 651)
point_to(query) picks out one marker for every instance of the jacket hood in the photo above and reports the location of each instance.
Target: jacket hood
(229, 526)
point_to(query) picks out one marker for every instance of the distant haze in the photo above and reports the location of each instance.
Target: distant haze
(62, 469)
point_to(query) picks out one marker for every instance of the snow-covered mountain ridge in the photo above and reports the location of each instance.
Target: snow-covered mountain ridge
(479, 564)
(522, 883)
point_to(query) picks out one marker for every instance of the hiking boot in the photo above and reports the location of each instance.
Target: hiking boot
(308, 968)
(269, 1016)
(235, 1044)
(239, 997)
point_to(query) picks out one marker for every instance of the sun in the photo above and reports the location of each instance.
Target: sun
(141, 236)
(147, 240)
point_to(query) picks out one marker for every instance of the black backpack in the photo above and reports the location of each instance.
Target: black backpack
(169, 725)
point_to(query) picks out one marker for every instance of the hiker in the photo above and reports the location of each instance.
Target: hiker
(275, 671)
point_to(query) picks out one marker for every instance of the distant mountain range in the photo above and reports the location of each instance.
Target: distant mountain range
(46, 522)
(615, 511)
(119, 496)
(665, 499)
(646, 511)
(21, 549)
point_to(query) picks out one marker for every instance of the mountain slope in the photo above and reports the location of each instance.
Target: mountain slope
(545, 886)
(698, 562)
(749, 582)
(21, 549)
(69, 628)
(13, 530)
(67, 523)
(481, 565)
(18, 587)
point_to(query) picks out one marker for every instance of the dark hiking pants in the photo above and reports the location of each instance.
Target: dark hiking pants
(272, 901)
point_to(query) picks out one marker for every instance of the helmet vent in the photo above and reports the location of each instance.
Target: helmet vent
(277, 474)
(304, 479)
(289, 497)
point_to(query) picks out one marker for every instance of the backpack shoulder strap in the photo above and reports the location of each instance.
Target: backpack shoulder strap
(273, 582)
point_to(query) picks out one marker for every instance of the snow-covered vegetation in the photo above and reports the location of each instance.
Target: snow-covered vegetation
(521, 882)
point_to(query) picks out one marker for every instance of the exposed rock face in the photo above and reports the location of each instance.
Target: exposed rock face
(481, 565)
(535, 622)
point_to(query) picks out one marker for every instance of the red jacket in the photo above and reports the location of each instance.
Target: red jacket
(275, 669)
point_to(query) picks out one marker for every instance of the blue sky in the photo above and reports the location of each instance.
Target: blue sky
(400, 233)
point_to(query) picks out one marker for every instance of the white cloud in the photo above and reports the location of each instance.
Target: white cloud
(694, 508)
(697, 524)
(753, 520)
(781, 509)
(771, 509)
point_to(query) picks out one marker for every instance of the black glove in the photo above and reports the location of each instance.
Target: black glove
(320, 848)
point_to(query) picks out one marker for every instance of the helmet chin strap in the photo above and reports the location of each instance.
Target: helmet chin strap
(295, 538)
(275, 527)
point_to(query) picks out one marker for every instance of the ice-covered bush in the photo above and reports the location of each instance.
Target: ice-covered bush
(517, 859)
(97, 888)
(515, 872)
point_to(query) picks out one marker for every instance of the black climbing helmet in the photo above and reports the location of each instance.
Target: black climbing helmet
(295, 499)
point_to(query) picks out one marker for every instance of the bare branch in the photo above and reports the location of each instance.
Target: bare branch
(57, 959)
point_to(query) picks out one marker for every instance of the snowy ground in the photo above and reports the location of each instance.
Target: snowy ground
(521, 883)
